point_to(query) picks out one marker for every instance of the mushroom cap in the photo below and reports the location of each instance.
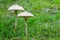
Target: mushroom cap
(25, 14)
(15, 7)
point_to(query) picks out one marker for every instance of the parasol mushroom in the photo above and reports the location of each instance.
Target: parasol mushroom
(25, 15)
(15, 8)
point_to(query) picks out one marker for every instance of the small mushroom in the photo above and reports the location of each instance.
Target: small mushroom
(15, 8)
(25, 15)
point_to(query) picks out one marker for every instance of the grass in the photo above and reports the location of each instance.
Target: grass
(45, 25)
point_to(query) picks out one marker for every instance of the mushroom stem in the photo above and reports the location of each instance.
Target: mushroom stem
(15, 19)
(26, 29)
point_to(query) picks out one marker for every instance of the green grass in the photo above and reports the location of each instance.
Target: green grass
(45, 25)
